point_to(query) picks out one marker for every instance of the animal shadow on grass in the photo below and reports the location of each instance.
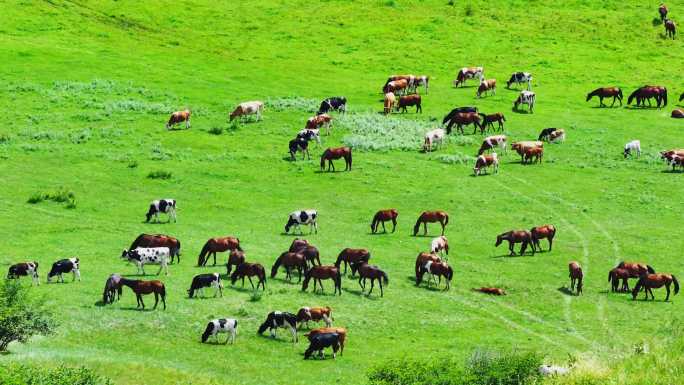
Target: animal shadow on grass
(243, 289)
(146, 309)
(521, 111)
(517, 255)
(656, 22)
(284, 338)
(360, 293)
(671, 171)
(567, 291)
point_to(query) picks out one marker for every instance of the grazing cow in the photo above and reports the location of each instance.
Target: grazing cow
(200, 281)
(158, 240)
(383, 216)
(606, 92)
(678, 113)
(142, 256)
(315, 314)
(333, 153)
(533, 155)
(525, 97)
(458, 110)
(410, 79)
(464, 119)
(546, 133)
(632, 147)
(614, 277)
(221, 325)
(557, 136)
(668, 155)
(542, 232)
(513, 237)
(24, 269)
(421, 260)
(576, 276)
(280, 319)
(644, 95)
(662, 11)
(492, 142)
(670, 28)
(418, 81)
(341, 331)
(166, 206)
(335, 103)
(217, 245)
(655, 281)
(521, 147)
(309, 135)
(318, 121)
(466, 73)
(488, 121)
(388, 104)
(484, 162)
(302, 217)
(321, 341)
(396, 87)
(410, 100)
(677, 160)
(179, 117)
(301, 145)
(248, 108)
(491, 290)
(112, 289)
(434, 138)
(63, 266)
(486, 85)
(439, 245)
(520, 78)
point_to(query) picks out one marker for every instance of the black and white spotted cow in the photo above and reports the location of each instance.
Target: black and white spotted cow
(70, 265)
(24, 269)
(335, 103)
(166, 206)
(142, 256)
(280, 319)
(302, 217)
(321, 341)
(520, 78)
(200, 281)
(221, 325)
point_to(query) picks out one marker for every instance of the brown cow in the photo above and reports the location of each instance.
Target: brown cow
(536, 153)
(318, 121)
(316, 314)
(486, 85)
(410, 100)
(485, 161)
(397, 86)
(179, 117)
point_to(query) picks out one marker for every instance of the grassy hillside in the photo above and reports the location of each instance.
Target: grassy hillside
(87, 86)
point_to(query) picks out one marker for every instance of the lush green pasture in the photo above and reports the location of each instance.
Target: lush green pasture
(86, 87)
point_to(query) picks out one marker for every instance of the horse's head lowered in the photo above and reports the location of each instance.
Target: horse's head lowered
(499, 239)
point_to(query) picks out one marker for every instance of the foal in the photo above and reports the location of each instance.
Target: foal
(513, 237)
(141, 288)
(383, 216)
(614, 277)
(431, 217)
(249, 270)
(576, 276)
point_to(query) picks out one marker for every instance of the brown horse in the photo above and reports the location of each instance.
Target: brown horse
(513, 237)
(670, 28)
(342, 332)
(662, 11)
(383, 216)
(315, 314)
(431, 217)
(678, 113)
(141, 288)
(542, 232)
(336, 153)
(350, 256)
(439, 269)
(636, 269)
(217, 245)
(179, 117)
(606, 92)
(319, 273)
(310, 252)
(490, 290)
(235, 258)
(158, 240)
(576, 276)
(290, 260)
(371, 272)
(655, 281)
(488, 121)
(614, 277)
(249, 270)
(646, 93)
(410, 100)
(461, 119)
(421, 260)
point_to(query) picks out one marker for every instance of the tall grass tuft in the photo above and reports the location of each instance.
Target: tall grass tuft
(61, 195)
(159, 174)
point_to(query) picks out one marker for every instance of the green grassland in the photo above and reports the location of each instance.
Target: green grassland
(86, 87)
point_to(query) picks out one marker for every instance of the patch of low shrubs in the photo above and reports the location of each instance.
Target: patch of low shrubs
(370, 131)
(292, 103)
(159, 174)
(16, 374)
(62, 195)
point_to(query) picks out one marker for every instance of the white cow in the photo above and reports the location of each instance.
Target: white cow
(633, 146)
(142, 256)
(254, 107)
(525, 97)
(520, 78)
(167, 206)
(302, 217)
(434, 138)
(221, 325)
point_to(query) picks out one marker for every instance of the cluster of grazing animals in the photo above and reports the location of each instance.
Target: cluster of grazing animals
(301, 144)
(545, 134)
(335, 103)
(63, 266)
(533, 155)
(421, 80)
(542, 232)
(383, 216)
(410, 100)
(290, 260)
(112, 289)
(636, 269)
(166, 206)
(302, 217)
(315, 314)
(662, 11)
(516, 236)
(396, 87)
(388, 103)
(217, 245)
(200, 281)
(525, 97)
(309, 251)
(431, 217)
(333, 153)
(421, 260)
(488, 121)
(235, 258)
(350, 256)
(644, 95)
(492, 142)
(522, 147)
(655, 281)
(179, 117)
(439, 269)
(280, 319)
(434, 138)
(321, 341)
(670, 28)
(576, 276)
(466, 73)
(520, 78)
(321, 272)
(483, 162)
(671, 155)
(632, 147)
(458, 110)
(142, 256)
(318, 121)
(341, 331)
(461, 119)
(141, 288)
(678, 113)
(24, 269)
(486, 85)
(158, 240)
(440, 245)
(615, 275)
(606, 92)
(371, 272)
(491, 290)
(557, 136)
(249, 270)
(248, 108)
(221, 325)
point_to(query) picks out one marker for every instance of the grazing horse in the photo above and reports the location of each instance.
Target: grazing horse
(200, 281)
(458, 110)
(492, 142)
(290, 260)
(488, 121)
(662, 11)
(335, 103)
(525, 97)
(439, 245)
(606, 92)
(141, 288)
(678, 113)
(466, 73)
(248, 108)
(280, 319)
(636, 269)
(388, 103)
(321, 272)
(576, 276)
(461, 119)
(396, 87)
(217, 245)
(410, 100)
(310, 252)
(350, 256)
(614, 277)
(431, 217)
(520, 78)
(383, 216)
(302, 217)
(112, 290)
(646, 93)
(439, 269)
(315, 314)
(533, 155)
(70, 265)
(490, 290)
(167, 206)
(486, 85)
(24, 269)
(142, 256)
(336, 153)
(221, 325)
(483, 162)
(301, 145)
(632, 147)
(371, 272)
(179, 117)
(520, 147)
(158, 240)
(542, 232)
(434, 137)
(249, 270)
(341, 331)
(321, 341)
(421, 260)
(513, 237)
(235, 258)
(670, 28)
(655, 281)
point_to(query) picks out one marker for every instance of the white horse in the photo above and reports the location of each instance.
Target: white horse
(221, 325)
(434, 138)
(525, 97)
(633, 146)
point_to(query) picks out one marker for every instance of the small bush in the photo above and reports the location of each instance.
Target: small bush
(4, 138)
(15, 374)
(21, 317)
(36, 198)
(216, 130)
(469, 11)
(371, 131)
(62, 195)
(159, 174)
(255, 296)
(133, 164)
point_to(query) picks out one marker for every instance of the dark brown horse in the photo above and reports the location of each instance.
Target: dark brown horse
(606, 92)
(646, 93)
(542, 232)
(670, 28)
(290, 260)
(431, 217)
(309, 251)
(421, 260)
(217, 245)
(350, 256)
(319, 273)
(513, 237)
(371, 272)
(336, 153)
(461, 119)
(636, 269)
(249, 270)
(158, 240)
(614, 277)
(235, 258)
(383, 216)
(662, 11)
(576, 276)
(439, 269)
(655, 281)
(141, 288)
(491, 290)
(488, 121)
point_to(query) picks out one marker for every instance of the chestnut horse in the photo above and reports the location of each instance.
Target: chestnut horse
(655, 281)
(216, 245)
(541, 232)
(513, 237)
(350, 256)
(490, 290)
(336, 153)
(431, 217)
(383, 216)
(606, 92)
(576, 276)
(662, 11)
(439, 269)
(371, 272)
(290, 260)
(636, 269)
(319, 273)
(309, 251)
(141, 288)
(421, 260)
(614, 277)
(488, 121)
(235, 258)
(249, 270)
(670, 28)
(461, 119)
(645, 93)
(158, 240)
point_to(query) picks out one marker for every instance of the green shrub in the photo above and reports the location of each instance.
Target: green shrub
(292, 103)
(62, 195)
(216, 130)
(15, 374)
(159, 174)
(255, 296)
(503, 368)
(20, 316)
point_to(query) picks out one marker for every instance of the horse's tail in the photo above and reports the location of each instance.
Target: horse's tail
(446, 219)
(162, 292)
(207, 332)
(238, 245)
(323, 159)
(417, 226)
(178, 249)
(338, 280)
(105, 292)
(386, 279)
(676, 284)
(276, 265)
(632, 96)
(203, 253)
(136, 242)
(650, 269)
(340, 257)
(610, 275)
(620, 94)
